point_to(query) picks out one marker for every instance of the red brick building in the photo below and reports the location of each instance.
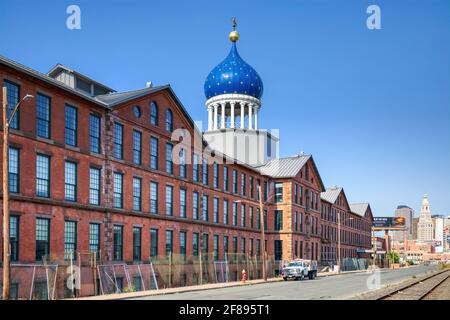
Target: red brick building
(91, 170)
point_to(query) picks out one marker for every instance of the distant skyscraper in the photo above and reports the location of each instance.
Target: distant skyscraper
(408, 214)
(415, 234)
(425, 225)
(438, 228)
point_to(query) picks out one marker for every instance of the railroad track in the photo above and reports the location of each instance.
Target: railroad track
(418, 290)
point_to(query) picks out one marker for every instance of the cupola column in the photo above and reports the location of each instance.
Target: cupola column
(250, 116)
(216, 118)
(210, 118)
(256, 118)
(242, 114)
(222, 109)
(232, 114)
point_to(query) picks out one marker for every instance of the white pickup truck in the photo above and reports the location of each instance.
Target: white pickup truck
(300, 269)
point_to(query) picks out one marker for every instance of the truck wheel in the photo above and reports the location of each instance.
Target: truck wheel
(310, 275)
(284, 278)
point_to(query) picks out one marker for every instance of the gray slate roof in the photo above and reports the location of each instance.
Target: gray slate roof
(331, 194)
(359, 208)
(288, 167)
(284, 167)
(116, 98)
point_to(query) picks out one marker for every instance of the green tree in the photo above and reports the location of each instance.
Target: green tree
(393, 257)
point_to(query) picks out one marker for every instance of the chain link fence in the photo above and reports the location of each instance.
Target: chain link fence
(81, 274)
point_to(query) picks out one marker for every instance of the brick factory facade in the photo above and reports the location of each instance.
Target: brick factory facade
(91, 170)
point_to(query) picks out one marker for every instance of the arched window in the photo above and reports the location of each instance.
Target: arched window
(169, 122)
(137, 112)
(154, 113)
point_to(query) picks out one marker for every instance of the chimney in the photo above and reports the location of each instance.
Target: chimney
(149, 84)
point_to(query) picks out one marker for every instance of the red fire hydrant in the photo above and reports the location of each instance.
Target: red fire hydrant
(244, 276)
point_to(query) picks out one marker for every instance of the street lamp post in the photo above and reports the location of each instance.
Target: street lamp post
(339, 240)
(6, 240)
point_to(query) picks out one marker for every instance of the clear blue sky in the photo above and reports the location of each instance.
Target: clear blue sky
(373, 107)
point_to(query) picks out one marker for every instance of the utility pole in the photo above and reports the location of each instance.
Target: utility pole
(6, 240)
(263, 241)
(6, 248)
(339, 241)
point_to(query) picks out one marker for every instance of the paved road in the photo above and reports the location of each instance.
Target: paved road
(331, 287)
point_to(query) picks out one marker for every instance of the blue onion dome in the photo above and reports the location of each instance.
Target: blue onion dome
(233, 75)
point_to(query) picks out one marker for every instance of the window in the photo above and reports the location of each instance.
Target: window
(279, 192)
(154, 197)
(14, 170)
(169, 121)
(243, 184)
(225, 178)
(250, 247)
(94, 238)
(234, 181)
(234, 217)
(13, 100)
(118, 242)
(301, 249)
(243, 245)
(296, 248)
(278, 249)
(300, 220)
(153, 242)
(70, 240)
(251, 187)
(295, 221)
(42, 116)
(183, 203)
(154, 153)
(205, 208)
(183, 244)
(183, 163)
(169, 242)
(235, 245)
(118, 190)
(278, 220)
(216, 175)
(118, 141)
(153, 113)
(137, 146)
(195, 240)
(243, 215)
(169, 200)
(71, 125)
(195, 205)
(251, 217)
(258, 247)
(42, 238)
(265, 219)
(94, 186)
(216, 247)
(205, 172)
(258, 219)
(195, 167)
(225, 246)
(42, 176)
(225, 211)
(14, 237)
(169, 163)
(205, 245)
(216, 210)
(94, 133)
(266, 190)
(137, 240)
(137, 111)
(70, 181)
(137, 194)
(295, 193)
(301, 195)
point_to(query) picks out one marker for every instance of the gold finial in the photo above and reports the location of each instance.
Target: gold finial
(234, 35)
